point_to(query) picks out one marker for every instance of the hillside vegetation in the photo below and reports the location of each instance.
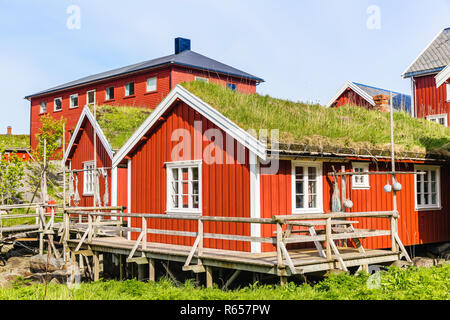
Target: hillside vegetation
(315, 125)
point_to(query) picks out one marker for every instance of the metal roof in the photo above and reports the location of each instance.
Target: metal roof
(434, 58)
(400, 101)
(186, 58)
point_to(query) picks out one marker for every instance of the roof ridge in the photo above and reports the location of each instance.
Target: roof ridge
(366, 85)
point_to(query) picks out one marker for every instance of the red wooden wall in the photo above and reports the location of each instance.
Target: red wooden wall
(225, 187)
(415, 227)
(429, 99)
(167, 78)
(84, 151)
(350, 97)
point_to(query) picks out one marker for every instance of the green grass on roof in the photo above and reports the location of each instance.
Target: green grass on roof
(118, 123)
(15, 141)
(315, 125)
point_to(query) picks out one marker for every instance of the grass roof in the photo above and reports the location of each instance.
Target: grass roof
(118, 123)
(14, 141)
(315, 125)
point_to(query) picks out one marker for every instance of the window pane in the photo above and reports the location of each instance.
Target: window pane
(312, 201)
(91, 97)
(299, 203)
(195, 173)
(299, 172)
(151, 84)
(299, 187)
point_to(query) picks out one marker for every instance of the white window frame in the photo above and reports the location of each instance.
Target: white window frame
(156, 84)
(40, 107)
(87, 97)
(88, 190)
(182, 165)
(54, 104)
(107, 93)
(127, 89)
(436, 117)
(438, 188)
(201, 79)
(447, 85)
(319, 187)
(366, 181)
(71, 106)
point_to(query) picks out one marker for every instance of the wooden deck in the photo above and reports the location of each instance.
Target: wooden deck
(304, 260)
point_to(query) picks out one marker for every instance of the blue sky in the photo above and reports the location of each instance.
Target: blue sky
(305, 50)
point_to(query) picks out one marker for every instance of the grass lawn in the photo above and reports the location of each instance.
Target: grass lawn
(394, 284)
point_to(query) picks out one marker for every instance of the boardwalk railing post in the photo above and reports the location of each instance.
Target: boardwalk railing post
(394, 232)
(200, 243)
(89, 227)
(328, 238)
(144, 230)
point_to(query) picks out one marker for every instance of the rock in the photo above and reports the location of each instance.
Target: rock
(42, 263)
(423, 262)
(54, 281)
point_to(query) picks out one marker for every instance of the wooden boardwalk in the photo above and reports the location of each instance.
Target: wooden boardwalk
(304, 260)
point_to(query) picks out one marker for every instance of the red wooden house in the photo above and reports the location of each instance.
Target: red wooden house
(430, 101)
(190, 158)
(80, 157)
(142, 84)
(357, 94)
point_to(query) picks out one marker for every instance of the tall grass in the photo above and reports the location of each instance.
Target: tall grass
(313, 124)
(396, 283)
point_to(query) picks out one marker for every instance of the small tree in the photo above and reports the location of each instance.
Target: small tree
(12, 171)
(48, 148)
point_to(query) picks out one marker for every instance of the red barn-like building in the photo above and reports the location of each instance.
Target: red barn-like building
(163, 180)
(143, 85)
(430, 101)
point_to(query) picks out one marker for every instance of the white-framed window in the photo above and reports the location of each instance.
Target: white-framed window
(151, 84)
(202, 79)
(447, 85)
(74, 101)
(307, 187)
(129, 89)
(360, 181)
(43, 107)
(57, 104)
(427, 187)
(88, 178)
(109, 93)
(184, 186)
(90, 97)
(439, 118)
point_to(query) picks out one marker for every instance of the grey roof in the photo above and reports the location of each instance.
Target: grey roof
(186, 58)
(400, 101)
(434, 58)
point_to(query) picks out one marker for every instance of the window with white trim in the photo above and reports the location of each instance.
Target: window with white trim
(427, 187)
(447, 85)
(109, 93)
(88, 178)
(184, 186)
(74, 101)
(360, 181)
(439, 118)
(90, 97)
(43, 107)
(129, 89)
(201, 79)
(307, 187)
(151, 84)
(57, 106)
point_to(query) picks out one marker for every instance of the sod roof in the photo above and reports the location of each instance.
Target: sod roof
(313, 125)
(15, 141)
(118, 123)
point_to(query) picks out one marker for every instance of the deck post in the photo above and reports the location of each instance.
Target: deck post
(144, 230)
(200, 243)
(151, 269)
(96, 266)
(283, 280)
(279, 253)
(209, 277)
(120, 267)
(328, 238)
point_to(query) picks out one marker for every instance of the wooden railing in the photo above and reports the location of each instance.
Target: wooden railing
(284, 229)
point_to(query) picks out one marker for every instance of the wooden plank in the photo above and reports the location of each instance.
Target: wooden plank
(351, 235)
(318, 245)
(333, 215)
(338, 256)
(402, 248)
(231, 279)
(288, 258)
(151, 270)
(138, 260)
(209, 277)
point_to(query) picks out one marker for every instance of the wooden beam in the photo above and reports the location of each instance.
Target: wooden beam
(209, 277)
(151, 270)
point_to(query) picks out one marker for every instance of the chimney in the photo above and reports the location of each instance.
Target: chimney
(9, 130)
(182, 44)
(381, 103)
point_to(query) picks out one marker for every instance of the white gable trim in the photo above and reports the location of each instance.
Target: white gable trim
(87, 114)
(442, 76)
(246, 139)
(423, 51)
(355, 88)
